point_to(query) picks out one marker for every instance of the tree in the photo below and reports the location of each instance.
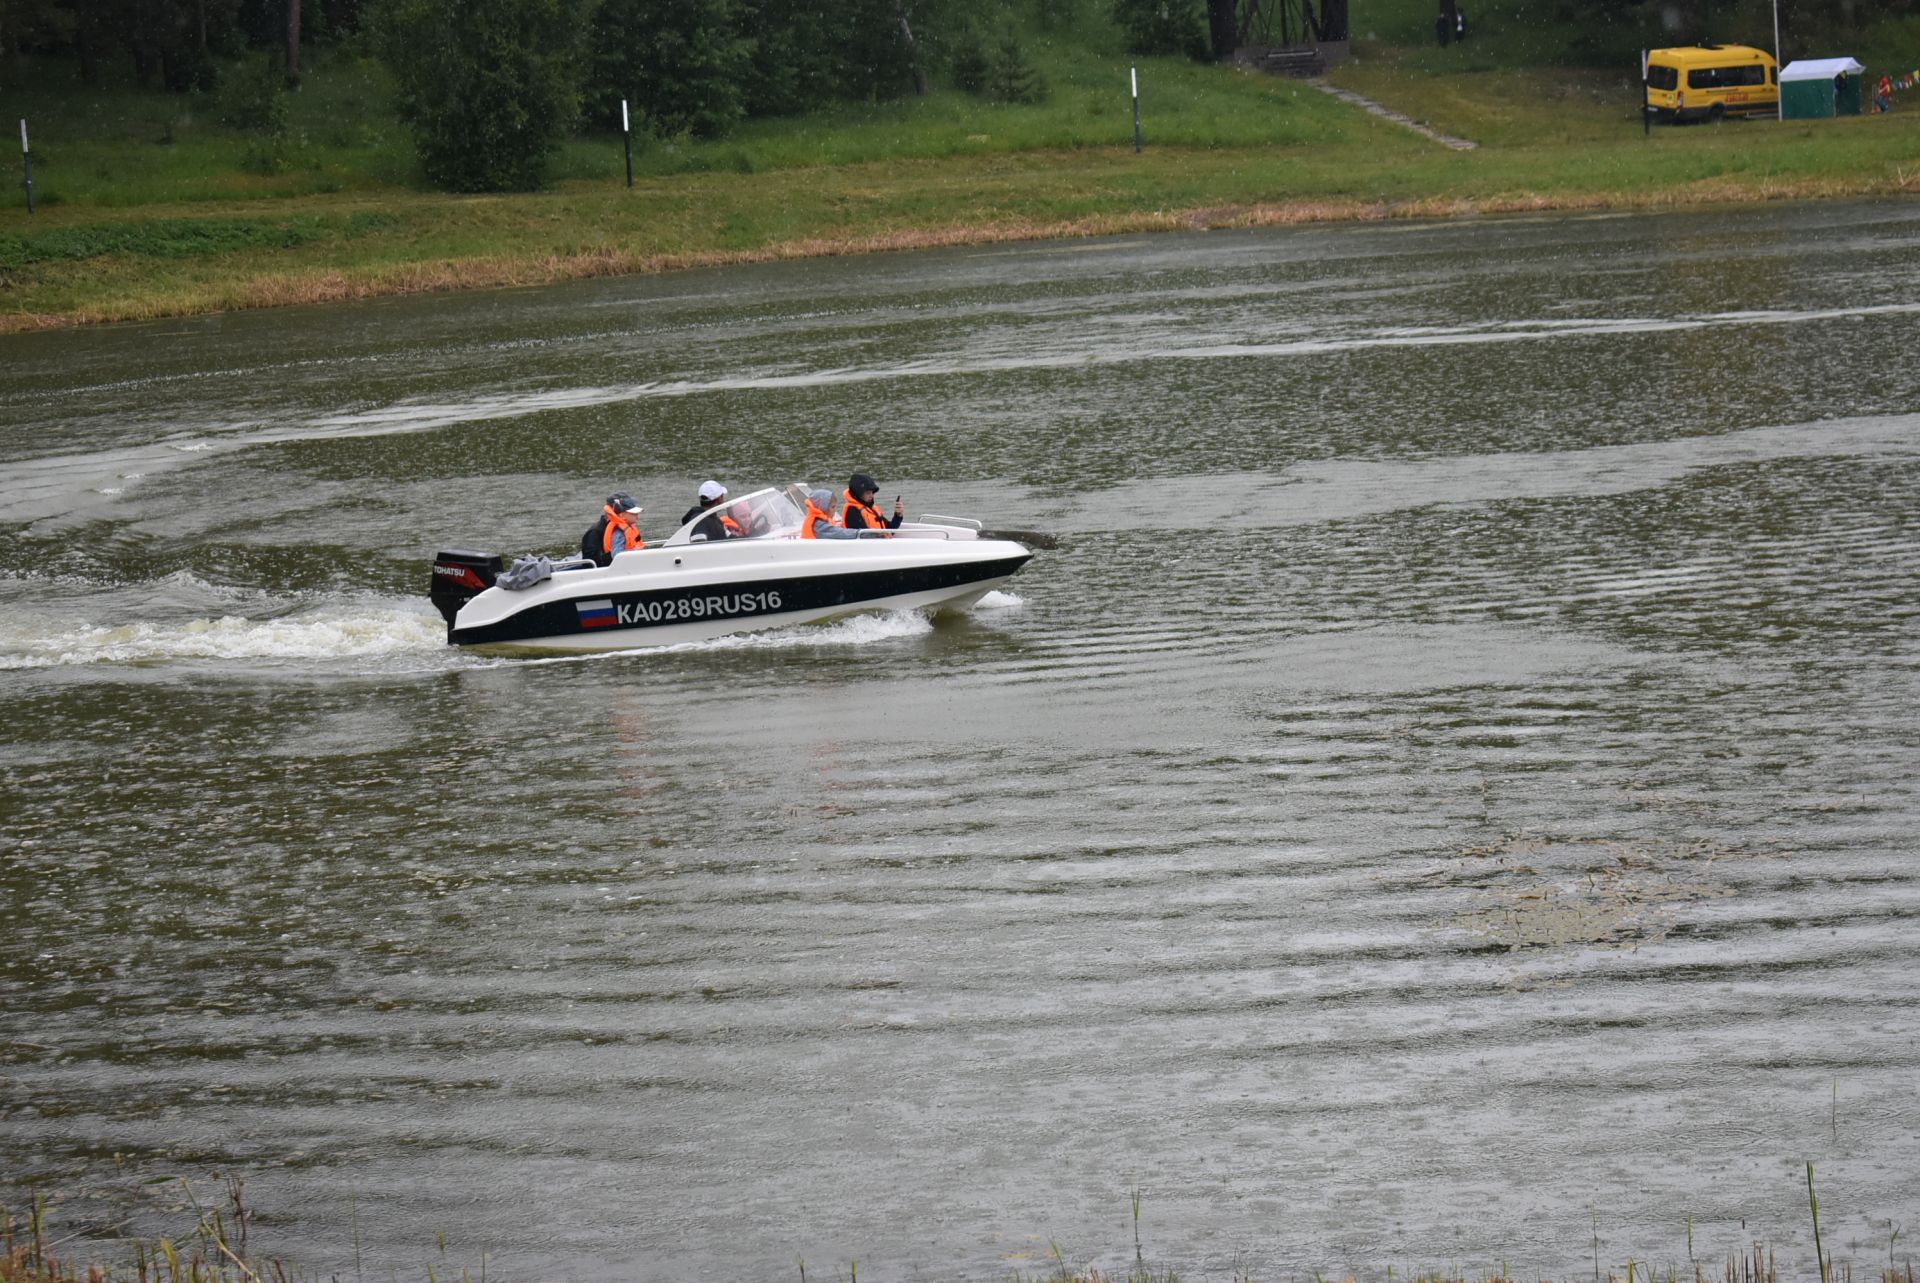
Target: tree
(1223, 27)
(968, 62)
(915, 62)
(877, 56)
(488, 86)
(681, 63)
(293, 44)
(835, 49)
(162, 36)
(790, 62)
(1010, 77)
(1162, 26)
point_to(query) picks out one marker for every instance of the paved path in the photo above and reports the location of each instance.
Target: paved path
(1368, 104)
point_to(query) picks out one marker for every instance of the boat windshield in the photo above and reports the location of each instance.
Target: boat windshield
(764, 512)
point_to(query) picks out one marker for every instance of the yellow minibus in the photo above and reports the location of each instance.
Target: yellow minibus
(1711, 82)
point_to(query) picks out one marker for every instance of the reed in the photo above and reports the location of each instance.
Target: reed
(1819, 1252)
(214, 1250)
(168, 1264)
(1139, 1260)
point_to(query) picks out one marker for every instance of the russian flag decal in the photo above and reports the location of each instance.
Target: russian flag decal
(596, 614)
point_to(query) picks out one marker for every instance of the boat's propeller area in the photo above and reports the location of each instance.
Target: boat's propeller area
(460, 575)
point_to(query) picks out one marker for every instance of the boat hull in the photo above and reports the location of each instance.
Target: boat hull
(671, 596)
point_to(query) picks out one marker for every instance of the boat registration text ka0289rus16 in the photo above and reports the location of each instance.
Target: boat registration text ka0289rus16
(666, 610)
(687, 589)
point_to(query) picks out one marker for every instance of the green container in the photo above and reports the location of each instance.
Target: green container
(1806, 99)
(1814, 99)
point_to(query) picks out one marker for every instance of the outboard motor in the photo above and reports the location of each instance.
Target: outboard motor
(460, 575)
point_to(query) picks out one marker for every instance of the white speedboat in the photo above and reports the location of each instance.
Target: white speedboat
(686, 588)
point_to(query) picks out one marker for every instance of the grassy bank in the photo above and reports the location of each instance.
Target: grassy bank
(150, 208)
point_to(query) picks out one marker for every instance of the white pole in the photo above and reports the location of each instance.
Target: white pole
(626, 142)
(1133, 77)
(26, 164)
(1779, 108)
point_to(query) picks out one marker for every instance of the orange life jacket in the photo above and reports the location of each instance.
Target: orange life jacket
(621, 521)
(872, 514)
(813, 514)
(734, 528)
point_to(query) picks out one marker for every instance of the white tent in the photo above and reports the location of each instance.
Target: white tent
(1815, 88)
(1820, 69)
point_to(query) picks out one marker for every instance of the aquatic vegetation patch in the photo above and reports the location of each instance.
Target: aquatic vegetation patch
(1542, 891)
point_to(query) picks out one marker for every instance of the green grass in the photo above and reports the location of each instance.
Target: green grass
(182, 237)
(1184, 104)
(152, 207)
(115, 146)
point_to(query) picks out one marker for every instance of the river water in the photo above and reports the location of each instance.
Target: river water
(1448, 801)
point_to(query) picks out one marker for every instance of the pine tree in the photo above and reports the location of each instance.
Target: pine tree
(1010, 77)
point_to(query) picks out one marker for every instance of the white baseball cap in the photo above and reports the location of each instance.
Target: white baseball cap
(712, 490)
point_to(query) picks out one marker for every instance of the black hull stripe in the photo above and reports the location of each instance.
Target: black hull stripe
(666, 607)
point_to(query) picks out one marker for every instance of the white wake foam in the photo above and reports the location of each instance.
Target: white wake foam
(362, 631)
(855, 630)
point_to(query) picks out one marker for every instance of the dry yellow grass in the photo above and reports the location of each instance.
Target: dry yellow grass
(282, 288)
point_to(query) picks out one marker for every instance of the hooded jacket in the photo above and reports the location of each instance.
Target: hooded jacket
(855, 515)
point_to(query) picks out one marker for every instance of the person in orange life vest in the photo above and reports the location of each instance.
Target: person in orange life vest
(818, 521)
(743, 523)
(717, 525)
(862, 512)
(593, 544)
(623, 532)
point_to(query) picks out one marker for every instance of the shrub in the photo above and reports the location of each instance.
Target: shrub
(490, 87)
(254, 97)
(193, 72)
(270, 154)
(680, 63)
(1163, 27)
(1057, 15)
(968, 64)
(790, 61)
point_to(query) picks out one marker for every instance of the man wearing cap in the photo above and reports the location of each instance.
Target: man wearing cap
(861, 511)
(717, 525)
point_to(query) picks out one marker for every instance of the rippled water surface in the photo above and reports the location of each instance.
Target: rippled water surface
(1448, 800)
